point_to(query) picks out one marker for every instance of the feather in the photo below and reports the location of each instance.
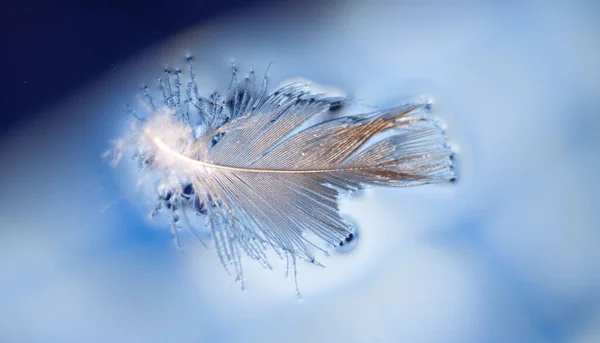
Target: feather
(262, 179)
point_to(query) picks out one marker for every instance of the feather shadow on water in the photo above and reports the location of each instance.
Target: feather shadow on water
(262, 179)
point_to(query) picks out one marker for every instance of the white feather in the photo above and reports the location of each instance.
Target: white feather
(261, 182)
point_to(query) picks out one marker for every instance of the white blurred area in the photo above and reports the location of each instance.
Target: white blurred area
(510, 253)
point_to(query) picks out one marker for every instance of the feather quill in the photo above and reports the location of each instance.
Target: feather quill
(260, 180)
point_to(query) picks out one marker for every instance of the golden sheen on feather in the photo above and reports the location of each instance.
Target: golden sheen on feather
(260, 178)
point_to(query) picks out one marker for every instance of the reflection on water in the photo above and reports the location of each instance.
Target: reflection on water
(508, 254)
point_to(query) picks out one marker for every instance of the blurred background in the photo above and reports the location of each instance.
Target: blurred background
(510, 253)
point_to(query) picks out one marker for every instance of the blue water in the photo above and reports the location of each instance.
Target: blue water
(510, 253)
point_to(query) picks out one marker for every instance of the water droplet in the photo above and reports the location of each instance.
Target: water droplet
(350, 242)
(335, 106)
